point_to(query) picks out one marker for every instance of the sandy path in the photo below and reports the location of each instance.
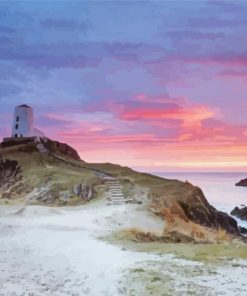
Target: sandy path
(55, 252)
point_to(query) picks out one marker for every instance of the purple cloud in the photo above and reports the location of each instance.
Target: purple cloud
(64, 24)
(189, 34)
(216, 21)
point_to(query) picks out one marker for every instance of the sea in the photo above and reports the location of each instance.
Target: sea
(218, 188)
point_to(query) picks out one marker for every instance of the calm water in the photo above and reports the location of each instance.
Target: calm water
(219, 188)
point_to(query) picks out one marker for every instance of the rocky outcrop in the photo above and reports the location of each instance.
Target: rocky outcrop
(242, 182)
(43, 145)
(11, 142)
(188, 203)
(9, 169)
(60, 148)
(198, 210)
(10, 177)
(240, 213)
(84, 191)
(78, 193)
(243, 230)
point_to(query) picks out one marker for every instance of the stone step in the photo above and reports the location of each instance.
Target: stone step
(112, 182)
(119, 202)
(116, 203)
(115, 188)
(115, 200)
(117, 196)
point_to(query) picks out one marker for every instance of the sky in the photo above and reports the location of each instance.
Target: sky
(154, 85)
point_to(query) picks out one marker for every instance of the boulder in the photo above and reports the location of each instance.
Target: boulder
(240, 213)
(243, 230)
(242, 182)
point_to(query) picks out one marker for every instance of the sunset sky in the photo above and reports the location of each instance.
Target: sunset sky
(155, 85)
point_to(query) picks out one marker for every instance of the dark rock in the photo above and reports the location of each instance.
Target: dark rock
(15, 142)
(198, 210)
(84, 191)
(240, 213)
(242, 230)
(60, 148)
(45, 144)
(9, 175)
(225, 221)
(242, 182)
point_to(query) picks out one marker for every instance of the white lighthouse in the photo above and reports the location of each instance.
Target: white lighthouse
(23, 123)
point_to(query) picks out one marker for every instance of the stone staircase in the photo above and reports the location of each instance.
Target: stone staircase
(115, 190)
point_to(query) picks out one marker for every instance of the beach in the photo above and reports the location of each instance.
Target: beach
(63, 251)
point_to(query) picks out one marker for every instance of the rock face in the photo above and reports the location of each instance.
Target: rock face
(187, 203)
(9, 169)
(84, 191)
(45, 145)
(61, 148)
(241, 213)
(198, 210)
(10, 177)
(242, 182)
(243, 230)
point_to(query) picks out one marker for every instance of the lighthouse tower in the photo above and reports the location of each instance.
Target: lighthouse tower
(23, 123)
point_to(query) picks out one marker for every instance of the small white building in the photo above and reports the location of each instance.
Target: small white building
(23, 123)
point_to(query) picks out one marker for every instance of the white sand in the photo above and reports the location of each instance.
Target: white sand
(48, 251)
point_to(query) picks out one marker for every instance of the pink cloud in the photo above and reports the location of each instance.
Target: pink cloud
(188, 116)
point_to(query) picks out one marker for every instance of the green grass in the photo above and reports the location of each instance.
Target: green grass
(197, 252)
